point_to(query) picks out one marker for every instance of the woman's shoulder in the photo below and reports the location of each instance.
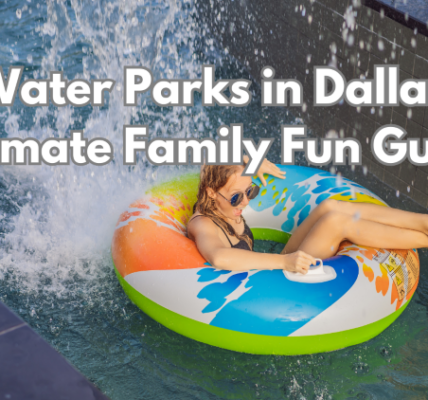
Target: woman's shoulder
(200, 223)
(199, 219)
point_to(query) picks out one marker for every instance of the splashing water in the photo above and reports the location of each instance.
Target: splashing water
(65, 226)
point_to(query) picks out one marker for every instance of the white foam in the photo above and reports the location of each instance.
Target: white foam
(64, 230)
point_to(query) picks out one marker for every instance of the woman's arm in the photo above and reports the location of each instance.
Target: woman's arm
(217, 254)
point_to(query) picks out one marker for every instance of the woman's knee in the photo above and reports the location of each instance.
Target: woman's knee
(344, 207)
(327, 205)
(335, 223)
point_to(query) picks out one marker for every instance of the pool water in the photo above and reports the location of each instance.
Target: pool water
(56, 223)
(417, 9)
(130, 356)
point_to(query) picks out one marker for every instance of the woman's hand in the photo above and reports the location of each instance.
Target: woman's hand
(298, 261)
(267, 167)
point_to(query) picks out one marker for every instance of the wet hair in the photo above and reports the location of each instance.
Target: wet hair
(215, 177)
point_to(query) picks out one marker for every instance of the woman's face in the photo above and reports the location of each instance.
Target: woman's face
(236, 184)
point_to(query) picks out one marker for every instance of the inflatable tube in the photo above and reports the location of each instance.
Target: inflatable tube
(260, 311)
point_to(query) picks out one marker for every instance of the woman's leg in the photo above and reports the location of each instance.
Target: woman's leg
(323, 240)
(303, 229)
(370, 212)
(384, 215)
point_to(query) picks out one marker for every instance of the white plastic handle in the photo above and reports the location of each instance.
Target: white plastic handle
(318, 274)
(317, 270)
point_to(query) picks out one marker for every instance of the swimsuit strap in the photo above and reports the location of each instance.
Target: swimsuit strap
(225, 234)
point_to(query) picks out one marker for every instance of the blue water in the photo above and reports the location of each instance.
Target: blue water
(417, 9)
(56, 223)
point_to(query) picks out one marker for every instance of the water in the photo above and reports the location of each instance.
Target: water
(56, 223)
(417, 9)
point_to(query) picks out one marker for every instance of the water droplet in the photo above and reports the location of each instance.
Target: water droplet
(356, 216)
(19, 13)
(385, 352)
(364, 170)
(413, 42)
(397, 193)
(361, 368)
(380, 45)
(408, 189)
(409, 113)
(30, 59)
(332, 134)
(267, 72)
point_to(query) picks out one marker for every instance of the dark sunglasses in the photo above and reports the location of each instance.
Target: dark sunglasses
(237, 198)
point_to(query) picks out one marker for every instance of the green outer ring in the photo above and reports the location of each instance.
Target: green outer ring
(270, 234)
(252, 343)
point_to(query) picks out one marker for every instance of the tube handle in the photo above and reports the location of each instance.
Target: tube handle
(317, 269)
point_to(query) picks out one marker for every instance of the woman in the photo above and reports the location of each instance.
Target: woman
(224, 239)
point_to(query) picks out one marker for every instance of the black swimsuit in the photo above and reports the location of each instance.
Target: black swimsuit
(242, 244)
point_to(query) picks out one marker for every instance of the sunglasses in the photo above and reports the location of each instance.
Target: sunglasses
(237, 198)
